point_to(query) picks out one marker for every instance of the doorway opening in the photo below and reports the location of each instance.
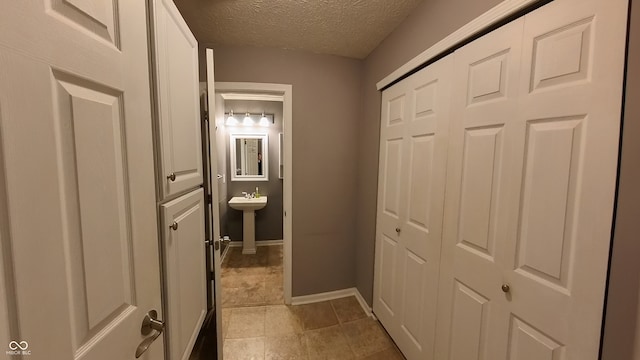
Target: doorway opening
(253, 137)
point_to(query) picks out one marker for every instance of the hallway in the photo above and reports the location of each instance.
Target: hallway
(257, 325)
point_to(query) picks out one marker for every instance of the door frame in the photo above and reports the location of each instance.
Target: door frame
(284, 93)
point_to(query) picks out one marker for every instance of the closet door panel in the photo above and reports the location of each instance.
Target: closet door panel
(566, 137)
(480, 183)
(390, 195)
(427, 139)
(484, 102)
(415, 127)
(469, 323)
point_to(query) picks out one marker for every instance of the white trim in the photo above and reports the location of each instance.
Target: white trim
(367, 309)
(286, 93)
(238, 243)
(254, 97)
(226, 251)
(5, 315)
(332, 295)
(492, 16)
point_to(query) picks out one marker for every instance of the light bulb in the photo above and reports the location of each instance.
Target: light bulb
(247, 120)
(231, 120)
(264, 121)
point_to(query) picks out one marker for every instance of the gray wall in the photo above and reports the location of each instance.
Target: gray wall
(326, 112)
(622, 326)
(269, 219)
(429, 23)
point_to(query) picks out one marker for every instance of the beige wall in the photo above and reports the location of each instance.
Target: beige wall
(326, 112)
(430, 22)
(622, 325)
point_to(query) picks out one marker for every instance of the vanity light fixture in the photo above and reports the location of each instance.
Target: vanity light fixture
(250, 119)
(231, 120)
(264, 121)
(247, 120)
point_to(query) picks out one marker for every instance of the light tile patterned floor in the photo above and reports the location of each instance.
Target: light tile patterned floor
(258, 326)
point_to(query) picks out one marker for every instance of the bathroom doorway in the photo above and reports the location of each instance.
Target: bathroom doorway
(253, 137)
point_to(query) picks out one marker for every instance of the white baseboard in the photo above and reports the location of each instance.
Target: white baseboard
(363, 304)
(269, 242)
(237, 243)
(332, 295)
(225, 252)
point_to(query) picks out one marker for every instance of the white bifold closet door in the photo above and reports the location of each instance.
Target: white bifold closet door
(415, 122)
(530, 185)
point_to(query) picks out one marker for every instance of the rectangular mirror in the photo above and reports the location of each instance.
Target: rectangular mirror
(249, 157)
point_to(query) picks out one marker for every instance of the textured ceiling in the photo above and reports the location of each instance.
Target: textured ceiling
(351, 28)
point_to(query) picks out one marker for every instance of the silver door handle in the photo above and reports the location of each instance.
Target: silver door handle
(149, 324)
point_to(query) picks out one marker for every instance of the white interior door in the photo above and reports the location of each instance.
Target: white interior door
(561, 204)
(176, 69)
(79, 213)
(528, 266)
(485, 99)
(215, 197)
(415, 115)
(185, 271)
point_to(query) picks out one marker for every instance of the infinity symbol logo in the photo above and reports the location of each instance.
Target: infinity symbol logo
(22, 345)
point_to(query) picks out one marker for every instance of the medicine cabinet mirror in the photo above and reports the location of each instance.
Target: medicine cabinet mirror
(249, 157)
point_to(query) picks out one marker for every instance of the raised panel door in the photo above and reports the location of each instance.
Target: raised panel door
(485, 98)
(413, 152)
(178, 108)
(531, 186)
(563, 183)
(185, 271)
(77, 164)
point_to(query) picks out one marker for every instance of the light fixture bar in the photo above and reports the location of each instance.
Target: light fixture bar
(250, 114)
(249, 119)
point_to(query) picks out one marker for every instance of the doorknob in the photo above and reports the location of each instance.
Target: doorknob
(149, 324)
(174, 226)
(172, 176)
(398, 230)
(506, 288)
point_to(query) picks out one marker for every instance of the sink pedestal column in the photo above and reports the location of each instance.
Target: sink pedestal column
(248, 232)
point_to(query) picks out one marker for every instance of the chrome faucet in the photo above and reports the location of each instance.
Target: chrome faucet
(248, 196)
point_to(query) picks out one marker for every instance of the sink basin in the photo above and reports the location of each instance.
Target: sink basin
(241, 203)
(248, 208)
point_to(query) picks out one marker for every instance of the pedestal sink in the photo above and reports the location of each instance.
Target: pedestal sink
(248, 206)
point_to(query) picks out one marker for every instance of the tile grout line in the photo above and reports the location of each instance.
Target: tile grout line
(346, 339)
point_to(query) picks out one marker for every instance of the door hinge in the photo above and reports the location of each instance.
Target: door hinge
(209, 199)
(206, 115)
